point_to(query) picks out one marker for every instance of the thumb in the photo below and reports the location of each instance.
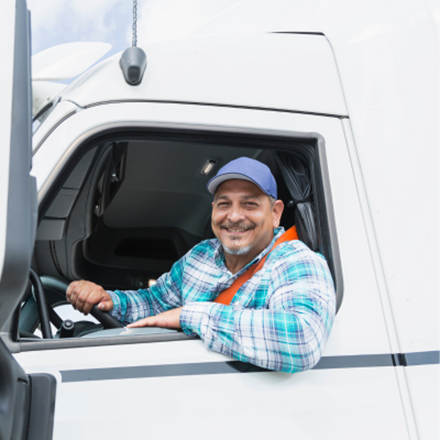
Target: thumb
(106, 304)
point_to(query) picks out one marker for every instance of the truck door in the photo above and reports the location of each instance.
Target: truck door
(26, 401)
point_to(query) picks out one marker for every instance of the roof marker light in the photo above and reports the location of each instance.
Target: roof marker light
(207, 167)
(133, 63)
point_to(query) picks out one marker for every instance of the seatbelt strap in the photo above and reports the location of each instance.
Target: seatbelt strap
(226, 296)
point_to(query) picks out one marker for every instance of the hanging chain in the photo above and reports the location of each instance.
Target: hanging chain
(134, 23)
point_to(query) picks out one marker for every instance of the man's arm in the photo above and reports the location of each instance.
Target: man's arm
(132, 305)
(288, 336)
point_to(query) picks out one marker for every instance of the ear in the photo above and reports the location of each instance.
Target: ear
(277, 211)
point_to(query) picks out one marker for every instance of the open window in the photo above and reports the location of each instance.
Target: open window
(130, 204)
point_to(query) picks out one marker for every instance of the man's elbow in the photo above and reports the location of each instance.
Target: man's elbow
(304, 354)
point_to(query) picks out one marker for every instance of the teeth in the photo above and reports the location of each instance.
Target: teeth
(236, 230)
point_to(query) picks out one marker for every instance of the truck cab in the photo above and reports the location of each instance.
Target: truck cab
(111, 187)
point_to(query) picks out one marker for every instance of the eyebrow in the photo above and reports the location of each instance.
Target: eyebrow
(243, 198)
(251, 197)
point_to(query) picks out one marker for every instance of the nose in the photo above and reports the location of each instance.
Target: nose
(236, 213)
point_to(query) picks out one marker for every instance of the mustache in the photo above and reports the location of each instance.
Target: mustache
(237, 225)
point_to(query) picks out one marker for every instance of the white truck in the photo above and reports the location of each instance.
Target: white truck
(111, 187)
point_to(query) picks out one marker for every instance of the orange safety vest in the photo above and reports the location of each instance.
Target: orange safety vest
(226, 296)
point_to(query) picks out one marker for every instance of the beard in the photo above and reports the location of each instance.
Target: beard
(236, 248)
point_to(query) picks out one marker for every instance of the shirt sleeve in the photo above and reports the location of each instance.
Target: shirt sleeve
(288, 335)
(132, 305)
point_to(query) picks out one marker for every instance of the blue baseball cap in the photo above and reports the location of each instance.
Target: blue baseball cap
(245, 168)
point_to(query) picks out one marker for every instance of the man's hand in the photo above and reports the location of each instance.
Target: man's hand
(83, 295)
(168, 319)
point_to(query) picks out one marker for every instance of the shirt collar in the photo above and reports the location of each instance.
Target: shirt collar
(219, 256)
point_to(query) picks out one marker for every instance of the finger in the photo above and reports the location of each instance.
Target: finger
(70, 287)
(76, 290)
(97, 295)
(89, 301)
(85, 295)
(151, 321)
(80, 294)
(73, 296)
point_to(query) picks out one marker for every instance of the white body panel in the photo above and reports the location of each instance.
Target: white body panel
(271, 71)
(66, 61)
(424, 386)
(331, 404)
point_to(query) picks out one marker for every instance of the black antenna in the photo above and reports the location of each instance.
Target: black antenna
(133, 60)
(135, 6)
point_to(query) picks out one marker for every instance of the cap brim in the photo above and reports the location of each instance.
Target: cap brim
(215, 182)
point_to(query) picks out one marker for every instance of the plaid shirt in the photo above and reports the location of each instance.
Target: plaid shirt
(280, 319)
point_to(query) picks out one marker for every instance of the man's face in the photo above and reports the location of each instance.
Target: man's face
(242, 217)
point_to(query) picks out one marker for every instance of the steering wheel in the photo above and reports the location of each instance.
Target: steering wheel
(47, 313)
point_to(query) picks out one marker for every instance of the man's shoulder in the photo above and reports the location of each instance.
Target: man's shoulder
(293, 260)
(295, 251)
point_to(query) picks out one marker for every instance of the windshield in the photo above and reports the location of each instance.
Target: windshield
(41, 116)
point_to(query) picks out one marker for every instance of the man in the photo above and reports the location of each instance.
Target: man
(283, 300)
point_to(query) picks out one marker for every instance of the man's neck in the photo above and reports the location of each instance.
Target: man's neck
(235, 263)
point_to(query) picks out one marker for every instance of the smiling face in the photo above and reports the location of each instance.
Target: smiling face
(243, 219)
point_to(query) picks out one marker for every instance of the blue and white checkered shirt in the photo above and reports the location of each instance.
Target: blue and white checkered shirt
(280, 319)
